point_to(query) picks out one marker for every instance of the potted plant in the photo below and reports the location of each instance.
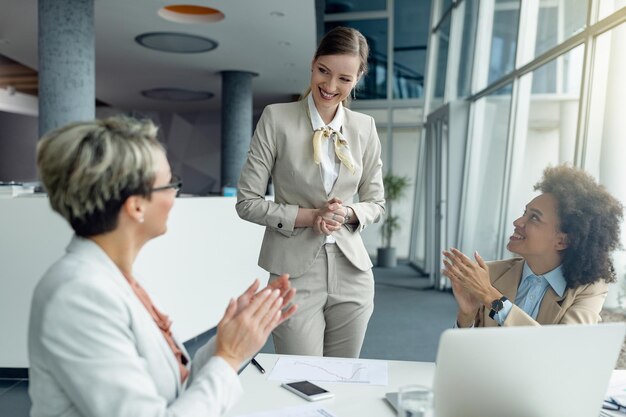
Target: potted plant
(395, 188)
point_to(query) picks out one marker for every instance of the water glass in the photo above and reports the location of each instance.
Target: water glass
(415, 401)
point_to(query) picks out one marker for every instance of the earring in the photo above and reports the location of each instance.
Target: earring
(354, 93)
(141, 219)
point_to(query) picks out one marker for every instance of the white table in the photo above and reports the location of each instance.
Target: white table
(261, 394)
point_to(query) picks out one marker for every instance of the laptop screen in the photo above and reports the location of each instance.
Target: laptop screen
(543, 371)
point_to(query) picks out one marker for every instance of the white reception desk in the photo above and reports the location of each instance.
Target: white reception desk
(207, 256)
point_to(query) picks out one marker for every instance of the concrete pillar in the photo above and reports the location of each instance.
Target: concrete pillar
(612, 167)
(67, 90)
(236, 123)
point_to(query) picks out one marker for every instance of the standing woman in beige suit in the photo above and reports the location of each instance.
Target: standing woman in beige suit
(320, 155)
(564, 241)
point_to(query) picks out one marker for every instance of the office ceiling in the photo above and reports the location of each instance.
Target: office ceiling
(273, 38)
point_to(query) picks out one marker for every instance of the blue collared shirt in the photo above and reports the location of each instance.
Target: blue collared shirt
(529, 295)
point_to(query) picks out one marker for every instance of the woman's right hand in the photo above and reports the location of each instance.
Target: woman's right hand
(240, 334)
(330, 217)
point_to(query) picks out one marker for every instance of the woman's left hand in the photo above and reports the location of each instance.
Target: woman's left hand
(332, 217)
(472, 276)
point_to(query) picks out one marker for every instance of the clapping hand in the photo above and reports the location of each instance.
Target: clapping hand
(250, 318)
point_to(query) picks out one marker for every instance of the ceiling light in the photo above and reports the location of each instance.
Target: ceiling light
(176, 42)
(176, 94)
(185, 13)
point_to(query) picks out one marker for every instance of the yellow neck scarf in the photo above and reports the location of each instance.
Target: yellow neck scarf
(342, 150)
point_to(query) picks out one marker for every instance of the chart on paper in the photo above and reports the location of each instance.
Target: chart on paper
(351, 371)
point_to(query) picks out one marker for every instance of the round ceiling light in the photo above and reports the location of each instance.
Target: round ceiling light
(185, 13)
(176, 94)
(176, 42)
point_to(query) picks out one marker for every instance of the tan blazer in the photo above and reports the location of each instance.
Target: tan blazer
(578, 305)
(282, 148)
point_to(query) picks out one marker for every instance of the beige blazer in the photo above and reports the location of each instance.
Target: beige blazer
(282, 148)
(580, 305)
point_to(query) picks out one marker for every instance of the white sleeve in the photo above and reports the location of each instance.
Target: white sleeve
(90, 349)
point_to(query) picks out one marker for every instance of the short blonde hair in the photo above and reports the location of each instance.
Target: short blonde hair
(90, 168)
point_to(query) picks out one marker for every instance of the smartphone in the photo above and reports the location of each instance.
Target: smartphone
(307, 390)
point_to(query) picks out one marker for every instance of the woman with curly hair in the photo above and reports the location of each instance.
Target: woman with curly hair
(564, 240)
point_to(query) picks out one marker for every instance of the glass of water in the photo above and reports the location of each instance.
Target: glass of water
(415, 401)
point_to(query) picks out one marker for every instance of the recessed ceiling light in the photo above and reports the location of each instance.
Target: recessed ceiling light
(185, 13)
(176, 94)
(277, 14)
(176, 42)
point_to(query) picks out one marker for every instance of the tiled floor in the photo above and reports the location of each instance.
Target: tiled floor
(407, 321)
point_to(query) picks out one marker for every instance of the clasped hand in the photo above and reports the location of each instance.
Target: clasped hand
(250, 318)
(330, 217)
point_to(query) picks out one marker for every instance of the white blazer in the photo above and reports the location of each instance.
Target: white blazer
(95, 350)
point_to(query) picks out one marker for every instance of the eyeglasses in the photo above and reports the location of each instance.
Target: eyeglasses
(176, 183)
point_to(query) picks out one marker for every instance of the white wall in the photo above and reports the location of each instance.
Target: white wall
(207, 256)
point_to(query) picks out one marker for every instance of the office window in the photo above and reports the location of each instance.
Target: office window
(483, 194)
(445, 5)
(371, 234)
(503, 38)
(557, 21)
(469, 9)
(374, 84)
(441, 63)
(340, 6)
(608, 7)
(405, 149)
(547, 134)
(606, 146)
(410, 40)
(408, 115)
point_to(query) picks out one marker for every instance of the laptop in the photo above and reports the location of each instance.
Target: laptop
(547, 371)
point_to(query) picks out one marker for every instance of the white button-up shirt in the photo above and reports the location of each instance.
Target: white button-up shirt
(329, 163)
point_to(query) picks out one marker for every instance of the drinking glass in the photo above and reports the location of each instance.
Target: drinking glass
(415, 401)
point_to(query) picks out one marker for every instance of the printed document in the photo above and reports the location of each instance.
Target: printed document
(349, 371)
(311, 410)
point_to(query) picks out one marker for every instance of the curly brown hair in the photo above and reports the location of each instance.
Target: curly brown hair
(590, 217)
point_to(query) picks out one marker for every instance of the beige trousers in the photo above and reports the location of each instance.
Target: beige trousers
(335, 302)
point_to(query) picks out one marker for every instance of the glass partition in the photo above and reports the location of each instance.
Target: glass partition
(546, 134)
(484, 190)
(410, 41)
(341, 6)
(468, 44)
(503, 38)
(374, 84)
(441, 63)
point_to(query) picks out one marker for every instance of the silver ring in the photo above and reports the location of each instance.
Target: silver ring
(333, 216)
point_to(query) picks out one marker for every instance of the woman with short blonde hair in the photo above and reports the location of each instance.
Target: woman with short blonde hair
(98, 345)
